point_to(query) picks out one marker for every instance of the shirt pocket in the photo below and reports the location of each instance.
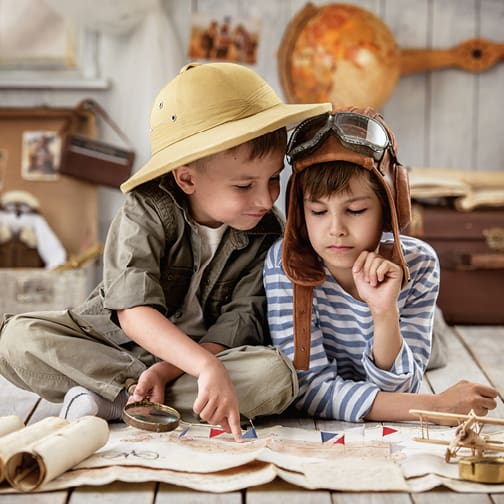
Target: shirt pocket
(221, 294)
(175, 283)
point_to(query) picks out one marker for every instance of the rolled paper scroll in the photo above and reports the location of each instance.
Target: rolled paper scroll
(42, 461)
(10, 424)
(17, 440)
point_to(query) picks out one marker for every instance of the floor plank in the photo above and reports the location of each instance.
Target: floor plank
(372, 498)
(461, 365)
(486, 345)
(115, 493)
(14, 401)
(170, 494)
(447, 497)
(44, 409)
(59, 497)
(279, 491)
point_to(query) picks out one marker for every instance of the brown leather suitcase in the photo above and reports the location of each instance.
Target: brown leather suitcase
(95, 161)
(470, 246)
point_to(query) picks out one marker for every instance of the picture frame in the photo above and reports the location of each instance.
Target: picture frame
(33, 36)
(216, 37)
(40, 156)
(39, 48)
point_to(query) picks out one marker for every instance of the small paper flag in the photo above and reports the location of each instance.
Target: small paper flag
(184, 432)
(215, 432)
(327, 436)
(388, 430)
(341, 440)
(249, 434)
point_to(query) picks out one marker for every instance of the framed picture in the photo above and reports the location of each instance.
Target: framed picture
(39, 47)
(33, 35)
(40, 156)
(224, 38)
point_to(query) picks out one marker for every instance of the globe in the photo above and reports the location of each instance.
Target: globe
(338, 53)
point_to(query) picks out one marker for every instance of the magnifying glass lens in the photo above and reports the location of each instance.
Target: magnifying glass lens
(151, 416)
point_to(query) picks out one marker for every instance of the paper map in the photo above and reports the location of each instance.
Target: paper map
(361, 458)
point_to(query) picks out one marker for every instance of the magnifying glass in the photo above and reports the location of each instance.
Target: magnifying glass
(151, 416)
(157, 417)
(148, 415)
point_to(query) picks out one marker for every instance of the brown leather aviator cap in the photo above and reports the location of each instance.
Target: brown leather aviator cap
(299, 260)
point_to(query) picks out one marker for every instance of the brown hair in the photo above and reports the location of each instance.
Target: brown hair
(333, 177)
(274, 141)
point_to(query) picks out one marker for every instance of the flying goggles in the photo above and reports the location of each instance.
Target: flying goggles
(356, 132)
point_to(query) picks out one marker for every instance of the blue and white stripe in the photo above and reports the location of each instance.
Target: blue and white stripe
(342, 380)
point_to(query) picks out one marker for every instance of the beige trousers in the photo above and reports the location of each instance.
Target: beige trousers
(48, 353)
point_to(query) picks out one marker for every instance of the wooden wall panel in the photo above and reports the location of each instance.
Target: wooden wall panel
(452, 91)
(407, 109)
(488, 145)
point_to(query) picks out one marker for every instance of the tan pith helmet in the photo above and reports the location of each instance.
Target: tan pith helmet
(208, 108)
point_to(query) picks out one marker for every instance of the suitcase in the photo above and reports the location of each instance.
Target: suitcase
(470, 247)
(95, 161)
(70, 207)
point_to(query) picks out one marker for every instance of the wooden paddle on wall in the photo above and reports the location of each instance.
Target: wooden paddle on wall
(474, 55)
(346, 55)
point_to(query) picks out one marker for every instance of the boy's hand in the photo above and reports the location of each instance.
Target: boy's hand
(217, 402)
(378, 280)
(151, 383)
(465, 396)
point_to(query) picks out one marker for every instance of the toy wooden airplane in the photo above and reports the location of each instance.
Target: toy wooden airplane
(467, 434)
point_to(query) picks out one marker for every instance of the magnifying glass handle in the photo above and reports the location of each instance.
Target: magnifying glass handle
(130, 385)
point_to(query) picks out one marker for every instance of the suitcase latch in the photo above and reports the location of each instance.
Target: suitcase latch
(494, 238)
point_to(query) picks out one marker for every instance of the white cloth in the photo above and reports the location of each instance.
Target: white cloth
(48, 245)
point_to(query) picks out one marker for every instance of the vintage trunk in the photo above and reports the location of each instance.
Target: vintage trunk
(68, 205)
(470, 246)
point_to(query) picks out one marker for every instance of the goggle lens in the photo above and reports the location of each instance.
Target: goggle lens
(357, 132)
(361, 129)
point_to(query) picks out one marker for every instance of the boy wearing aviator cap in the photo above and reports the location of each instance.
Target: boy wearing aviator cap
(183, 265)
(352, 306)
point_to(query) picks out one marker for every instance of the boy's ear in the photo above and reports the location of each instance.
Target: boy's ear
(184, 177)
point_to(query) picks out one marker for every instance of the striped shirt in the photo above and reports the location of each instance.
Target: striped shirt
(342, 380)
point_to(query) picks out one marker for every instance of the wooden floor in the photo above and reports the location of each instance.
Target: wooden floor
(475, 353)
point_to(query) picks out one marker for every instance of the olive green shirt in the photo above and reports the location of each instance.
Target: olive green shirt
(151, 254)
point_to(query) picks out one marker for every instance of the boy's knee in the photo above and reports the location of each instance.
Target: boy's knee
(265, 379)
(12, 329)
(272, 364)
(17, 337)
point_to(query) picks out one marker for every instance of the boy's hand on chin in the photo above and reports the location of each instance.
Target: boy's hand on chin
(378, 280)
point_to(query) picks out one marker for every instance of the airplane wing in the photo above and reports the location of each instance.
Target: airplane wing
(425, 415)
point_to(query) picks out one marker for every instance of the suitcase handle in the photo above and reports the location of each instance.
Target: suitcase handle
(461, 261)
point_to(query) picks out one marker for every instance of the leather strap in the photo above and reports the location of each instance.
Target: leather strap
(303, 298)
(85, 107)
(96, 108)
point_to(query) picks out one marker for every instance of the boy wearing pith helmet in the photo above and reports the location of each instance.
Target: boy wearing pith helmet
(182, 268)
(350, 299)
